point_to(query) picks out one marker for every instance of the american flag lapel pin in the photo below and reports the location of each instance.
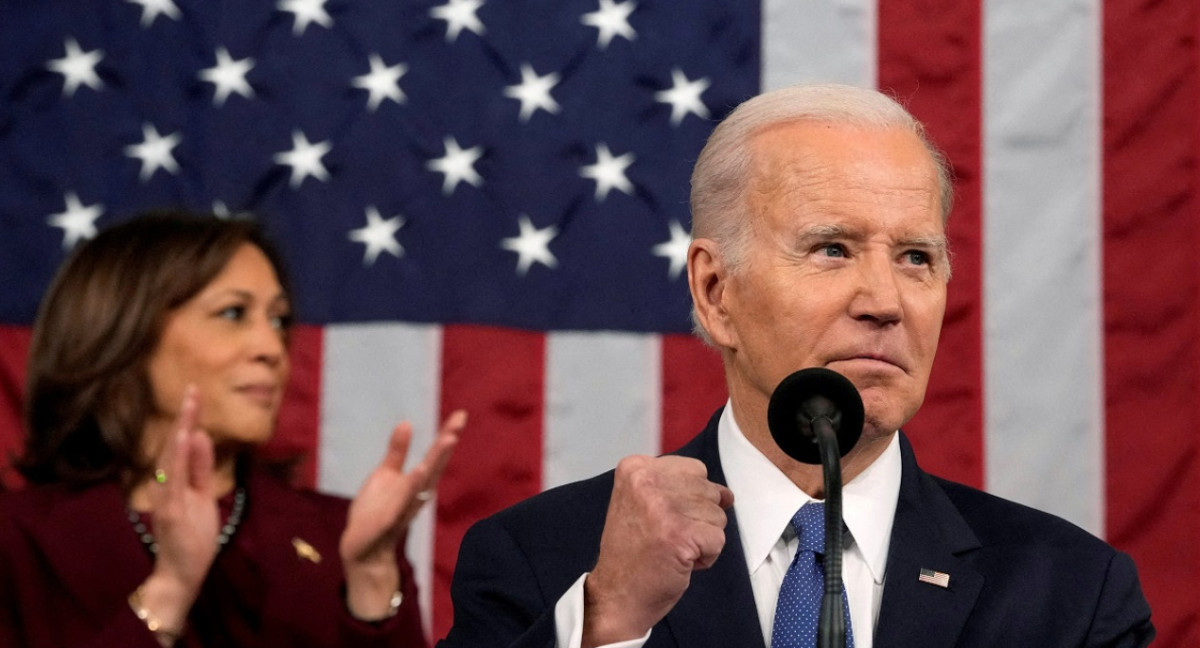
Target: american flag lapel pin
(941, 579)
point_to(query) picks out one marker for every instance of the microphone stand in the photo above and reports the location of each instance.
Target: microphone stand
(831, 628)
(821, 404)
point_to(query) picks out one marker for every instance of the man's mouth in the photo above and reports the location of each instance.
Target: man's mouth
(867, 360)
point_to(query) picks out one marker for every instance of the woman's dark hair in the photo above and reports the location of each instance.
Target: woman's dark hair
(89, 394)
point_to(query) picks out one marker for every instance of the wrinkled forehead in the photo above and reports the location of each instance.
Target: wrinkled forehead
(798, 161)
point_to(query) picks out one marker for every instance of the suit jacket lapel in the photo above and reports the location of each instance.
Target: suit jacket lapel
(928, 533)
(718, 608)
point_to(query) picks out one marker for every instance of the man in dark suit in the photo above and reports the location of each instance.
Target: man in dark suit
(819, 241)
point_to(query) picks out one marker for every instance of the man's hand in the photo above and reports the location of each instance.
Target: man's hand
(665, 520)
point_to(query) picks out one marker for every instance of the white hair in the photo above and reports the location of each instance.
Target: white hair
(722, 172)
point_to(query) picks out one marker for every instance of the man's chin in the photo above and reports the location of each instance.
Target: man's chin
(884, 384)
(883, 412)
(877, 429)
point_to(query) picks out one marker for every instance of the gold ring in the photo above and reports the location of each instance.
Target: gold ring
(424, 496)
(160, 476)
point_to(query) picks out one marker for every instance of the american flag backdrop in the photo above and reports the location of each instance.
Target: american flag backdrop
(484, 205)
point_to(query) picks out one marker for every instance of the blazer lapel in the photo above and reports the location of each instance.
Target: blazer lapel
(91, 545)
(928, 533)
(718, 608)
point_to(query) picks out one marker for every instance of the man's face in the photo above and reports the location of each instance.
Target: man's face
(846, 268)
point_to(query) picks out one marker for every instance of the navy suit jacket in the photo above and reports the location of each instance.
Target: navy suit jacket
(1018, 577)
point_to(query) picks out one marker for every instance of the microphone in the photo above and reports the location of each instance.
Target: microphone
(806, 396)
(816, 416)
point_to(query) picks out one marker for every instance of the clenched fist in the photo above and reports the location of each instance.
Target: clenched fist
(665, 520)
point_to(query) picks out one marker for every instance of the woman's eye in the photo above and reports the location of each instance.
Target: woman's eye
(232, 313)
(282, 322)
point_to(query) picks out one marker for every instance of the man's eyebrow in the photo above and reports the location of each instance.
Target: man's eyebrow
(825, 231)
(935, 242)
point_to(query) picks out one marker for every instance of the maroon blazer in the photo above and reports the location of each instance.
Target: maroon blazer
(70, 559)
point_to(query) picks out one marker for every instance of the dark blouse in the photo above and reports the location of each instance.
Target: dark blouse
(70, 559)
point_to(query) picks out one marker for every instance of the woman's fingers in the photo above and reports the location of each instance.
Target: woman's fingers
(200, 463)
(444, 445)
(391, 497)
(423, 478)
(172, 469)
(397, 449)
(186, 458)
(433, 464)
(426, 473)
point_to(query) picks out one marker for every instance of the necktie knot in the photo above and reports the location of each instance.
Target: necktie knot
(809, 525)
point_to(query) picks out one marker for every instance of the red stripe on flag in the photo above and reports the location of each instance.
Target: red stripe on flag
(297, 433)
(929, 58)
(693, 387)
(497, 375)
(14, 355)
(1151, 311)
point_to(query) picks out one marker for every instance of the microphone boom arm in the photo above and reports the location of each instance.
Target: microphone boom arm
(831, 628)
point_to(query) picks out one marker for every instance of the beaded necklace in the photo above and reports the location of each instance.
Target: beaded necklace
(223, 537)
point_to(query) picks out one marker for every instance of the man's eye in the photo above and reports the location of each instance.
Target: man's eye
(917, 257)
(835, 250)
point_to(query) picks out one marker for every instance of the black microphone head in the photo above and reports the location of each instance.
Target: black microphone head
(806, 395)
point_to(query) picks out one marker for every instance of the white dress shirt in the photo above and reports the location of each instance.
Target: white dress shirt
(764, 502)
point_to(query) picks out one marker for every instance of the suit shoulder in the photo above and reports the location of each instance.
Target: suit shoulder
(579, 507)
(28, 506)
(999, 521)
(21, 502)
(1047, 577)
(32, 504)
(557, 522)
(567, 506)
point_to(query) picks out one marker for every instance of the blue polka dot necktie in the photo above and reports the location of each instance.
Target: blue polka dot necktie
(799, 605)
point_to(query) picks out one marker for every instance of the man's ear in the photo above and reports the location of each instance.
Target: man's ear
(708, 279)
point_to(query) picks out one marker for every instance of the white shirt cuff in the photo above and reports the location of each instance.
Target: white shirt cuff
(568, 621)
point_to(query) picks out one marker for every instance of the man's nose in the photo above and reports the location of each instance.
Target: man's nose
(877, 295)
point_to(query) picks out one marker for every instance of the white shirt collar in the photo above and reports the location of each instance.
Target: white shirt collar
(765, 499)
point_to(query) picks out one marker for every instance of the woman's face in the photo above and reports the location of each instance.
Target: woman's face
(229, 341)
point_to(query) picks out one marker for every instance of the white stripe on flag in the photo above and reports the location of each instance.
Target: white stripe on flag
(1042, 221)
(603, 402)
(818, 42)
(376, 375)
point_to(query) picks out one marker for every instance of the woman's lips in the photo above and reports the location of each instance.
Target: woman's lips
(262, 394)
